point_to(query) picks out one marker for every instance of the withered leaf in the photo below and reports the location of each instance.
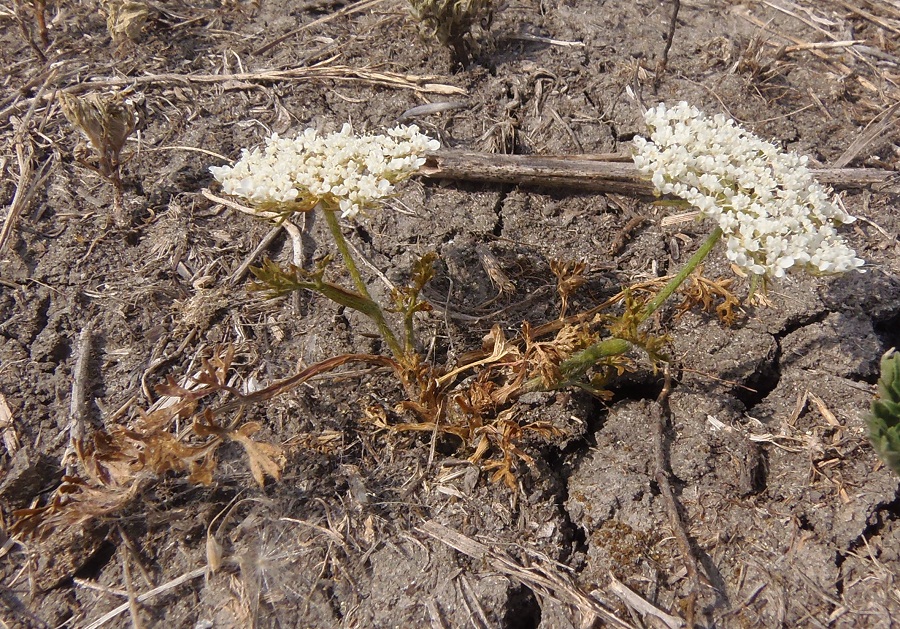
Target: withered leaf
(266, 459)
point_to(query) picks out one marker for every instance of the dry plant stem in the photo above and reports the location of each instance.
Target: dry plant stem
(637, 603)
(601, 173)
(241, 271)
(374, 312)
(25, 189)
(321, 71)
(129, 584)
(299, 378)
(79, 402)
(165, 587)
(683, 274)
(670, 37)
(541, 578)
(26, 31)
(659, 413)
(18, 203)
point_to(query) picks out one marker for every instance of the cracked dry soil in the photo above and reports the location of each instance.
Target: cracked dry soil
(792, 519)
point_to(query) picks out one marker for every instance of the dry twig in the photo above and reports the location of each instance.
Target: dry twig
(606, 173)
(670, 37)
(76, 430)
(25, 188)
(637, 603)
(146, 596)
(320, 72)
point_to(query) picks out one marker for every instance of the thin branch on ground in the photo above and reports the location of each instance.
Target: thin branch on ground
(610, 173)
(146, 596)
(660, 415)
(670, 37)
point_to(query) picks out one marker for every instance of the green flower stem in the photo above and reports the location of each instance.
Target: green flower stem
(676, 281)
(579, 363)
(371, 309)
(409, 327)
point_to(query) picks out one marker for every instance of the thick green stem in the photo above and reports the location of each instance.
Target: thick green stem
(575, 366)
(373, 311)
(676, 281)
(579, 363)
(409, 327)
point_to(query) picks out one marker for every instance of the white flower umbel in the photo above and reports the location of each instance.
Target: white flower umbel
(343, 171)
(773, 214)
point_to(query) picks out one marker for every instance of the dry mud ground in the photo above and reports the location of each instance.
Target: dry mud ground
(789, 517)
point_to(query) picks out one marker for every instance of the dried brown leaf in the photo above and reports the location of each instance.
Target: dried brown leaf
(266, 459)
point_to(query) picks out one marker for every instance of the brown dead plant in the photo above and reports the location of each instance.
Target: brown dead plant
(119, 462)
(106, 120)
(712, 295)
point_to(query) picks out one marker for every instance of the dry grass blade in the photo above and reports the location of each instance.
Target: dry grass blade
(19, 198)
(363, 5)
(637, 603)
(875, 135)
(549, 581)
(318, 72)
(25, 186)
(872, 17)
(146, 596)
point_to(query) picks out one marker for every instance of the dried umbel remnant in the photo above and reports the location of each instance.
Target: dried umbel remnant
(449, 20)
(125, 19)
(107, 120)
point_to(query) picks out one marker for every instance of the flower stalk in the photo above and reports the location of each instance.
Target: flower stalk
(372, 309)
(682, 275)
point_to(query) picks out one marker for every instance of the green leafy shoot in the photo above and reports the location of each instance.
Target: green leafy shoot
(883, 418)
(406, 300)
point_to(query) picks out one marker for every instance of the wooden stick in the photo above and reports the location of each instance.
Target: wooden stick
(598, 173)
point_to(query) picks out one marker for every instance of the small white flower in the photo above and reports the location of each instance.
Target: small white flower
(773, 214)
(341, 170)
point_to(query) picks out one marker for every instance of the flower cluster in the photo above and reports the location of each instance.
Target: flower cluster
(773, 214)
(341, 170)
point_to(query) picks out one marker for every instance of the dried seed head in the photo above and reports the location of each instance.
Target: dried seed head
(106, 119)
(125, 19)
